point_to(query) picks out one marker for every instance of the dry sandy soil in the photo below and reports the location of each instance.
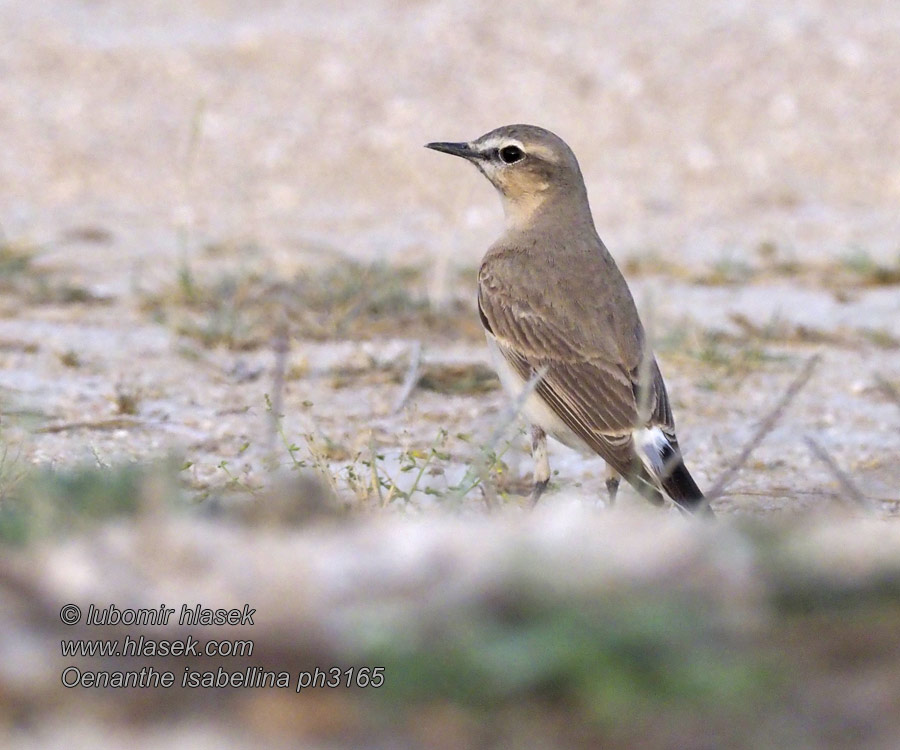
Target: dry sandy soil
(208, 206)
(737, 156)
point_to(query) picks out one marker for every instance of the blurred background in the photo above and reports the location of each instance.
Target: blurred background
(227, 265)
(701, 127)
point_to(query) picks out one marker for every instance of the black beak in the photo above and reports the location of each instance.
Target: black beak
(455, 149)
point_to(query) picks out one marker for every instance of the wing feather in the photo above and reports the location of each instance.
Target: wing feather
(596, 396)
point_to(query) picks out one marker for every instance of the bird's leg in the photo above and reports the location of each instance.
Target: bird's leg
(541, 463)
(612, 484)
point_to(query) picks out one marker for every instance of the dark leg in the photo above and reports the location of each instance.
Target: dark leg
(612, 484)
(541, 463)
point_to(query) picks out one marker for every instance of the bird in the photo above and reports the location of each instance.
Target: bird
(562, 327)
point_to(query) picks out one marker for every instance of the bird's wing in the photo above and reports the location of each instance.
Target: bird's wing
(658, 400)
(595, 395)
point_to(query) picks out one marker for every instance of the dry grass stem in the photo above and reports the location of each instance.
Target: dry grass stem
(764, 428)
(411, 379)
(850, 490)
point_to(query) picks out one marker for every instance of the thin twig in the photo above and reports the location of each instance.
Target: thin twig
(281, 346)
(100, 462)
(481, 467)
(851, 491)
(114, 423)
(764, 428)
(412, 377)
(375, 479)
(489, 495)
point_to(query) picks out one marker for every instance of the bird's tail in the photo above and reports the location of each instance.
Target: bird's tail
(667, 465)
(644, 483)
(681, 487)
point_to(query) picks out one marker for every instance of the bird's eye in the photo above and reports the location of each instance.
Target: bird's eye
(511, 154)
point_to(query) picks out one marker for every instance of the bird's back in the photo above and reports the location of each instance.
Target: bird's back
(567, 276)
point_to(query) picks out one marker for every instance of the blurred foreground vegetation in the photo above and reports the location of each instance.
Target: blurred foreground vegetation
(558, 628)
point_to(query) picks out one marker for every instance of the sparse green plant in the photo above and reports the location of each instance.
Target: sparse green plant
(278, 421)
(127, 400)
(50, 502)
(727, 271)
(367, 476)
(726, 353)
(242, 310)
(868, 271)
(651, 262)
(70, 358)
(29, 284)
(11, 471)
(185, 273)
(235, 482)
(15, 259)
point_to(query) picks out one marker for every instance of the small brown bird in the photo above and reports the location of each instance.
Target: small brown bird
(561, 321)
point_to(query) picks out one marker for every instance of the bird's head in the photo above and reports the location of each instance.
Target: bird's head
(527, 164)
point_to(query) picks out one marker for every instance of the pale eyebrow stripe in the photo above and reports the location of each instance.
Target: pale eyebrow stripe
(497, 142)
(545, 153)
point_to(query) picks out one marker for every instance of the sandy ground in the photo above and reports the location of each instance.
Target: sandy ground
(738, 157)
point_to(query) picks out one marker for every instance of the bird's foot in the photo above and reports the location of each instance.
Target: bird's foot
(537, 490)
(612, 489)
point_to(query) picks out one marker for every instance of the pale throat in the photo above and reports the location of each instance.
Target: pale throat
(521, 208)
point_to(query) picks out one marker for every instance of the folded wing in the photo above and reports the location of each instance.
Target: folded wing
(587, 386)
